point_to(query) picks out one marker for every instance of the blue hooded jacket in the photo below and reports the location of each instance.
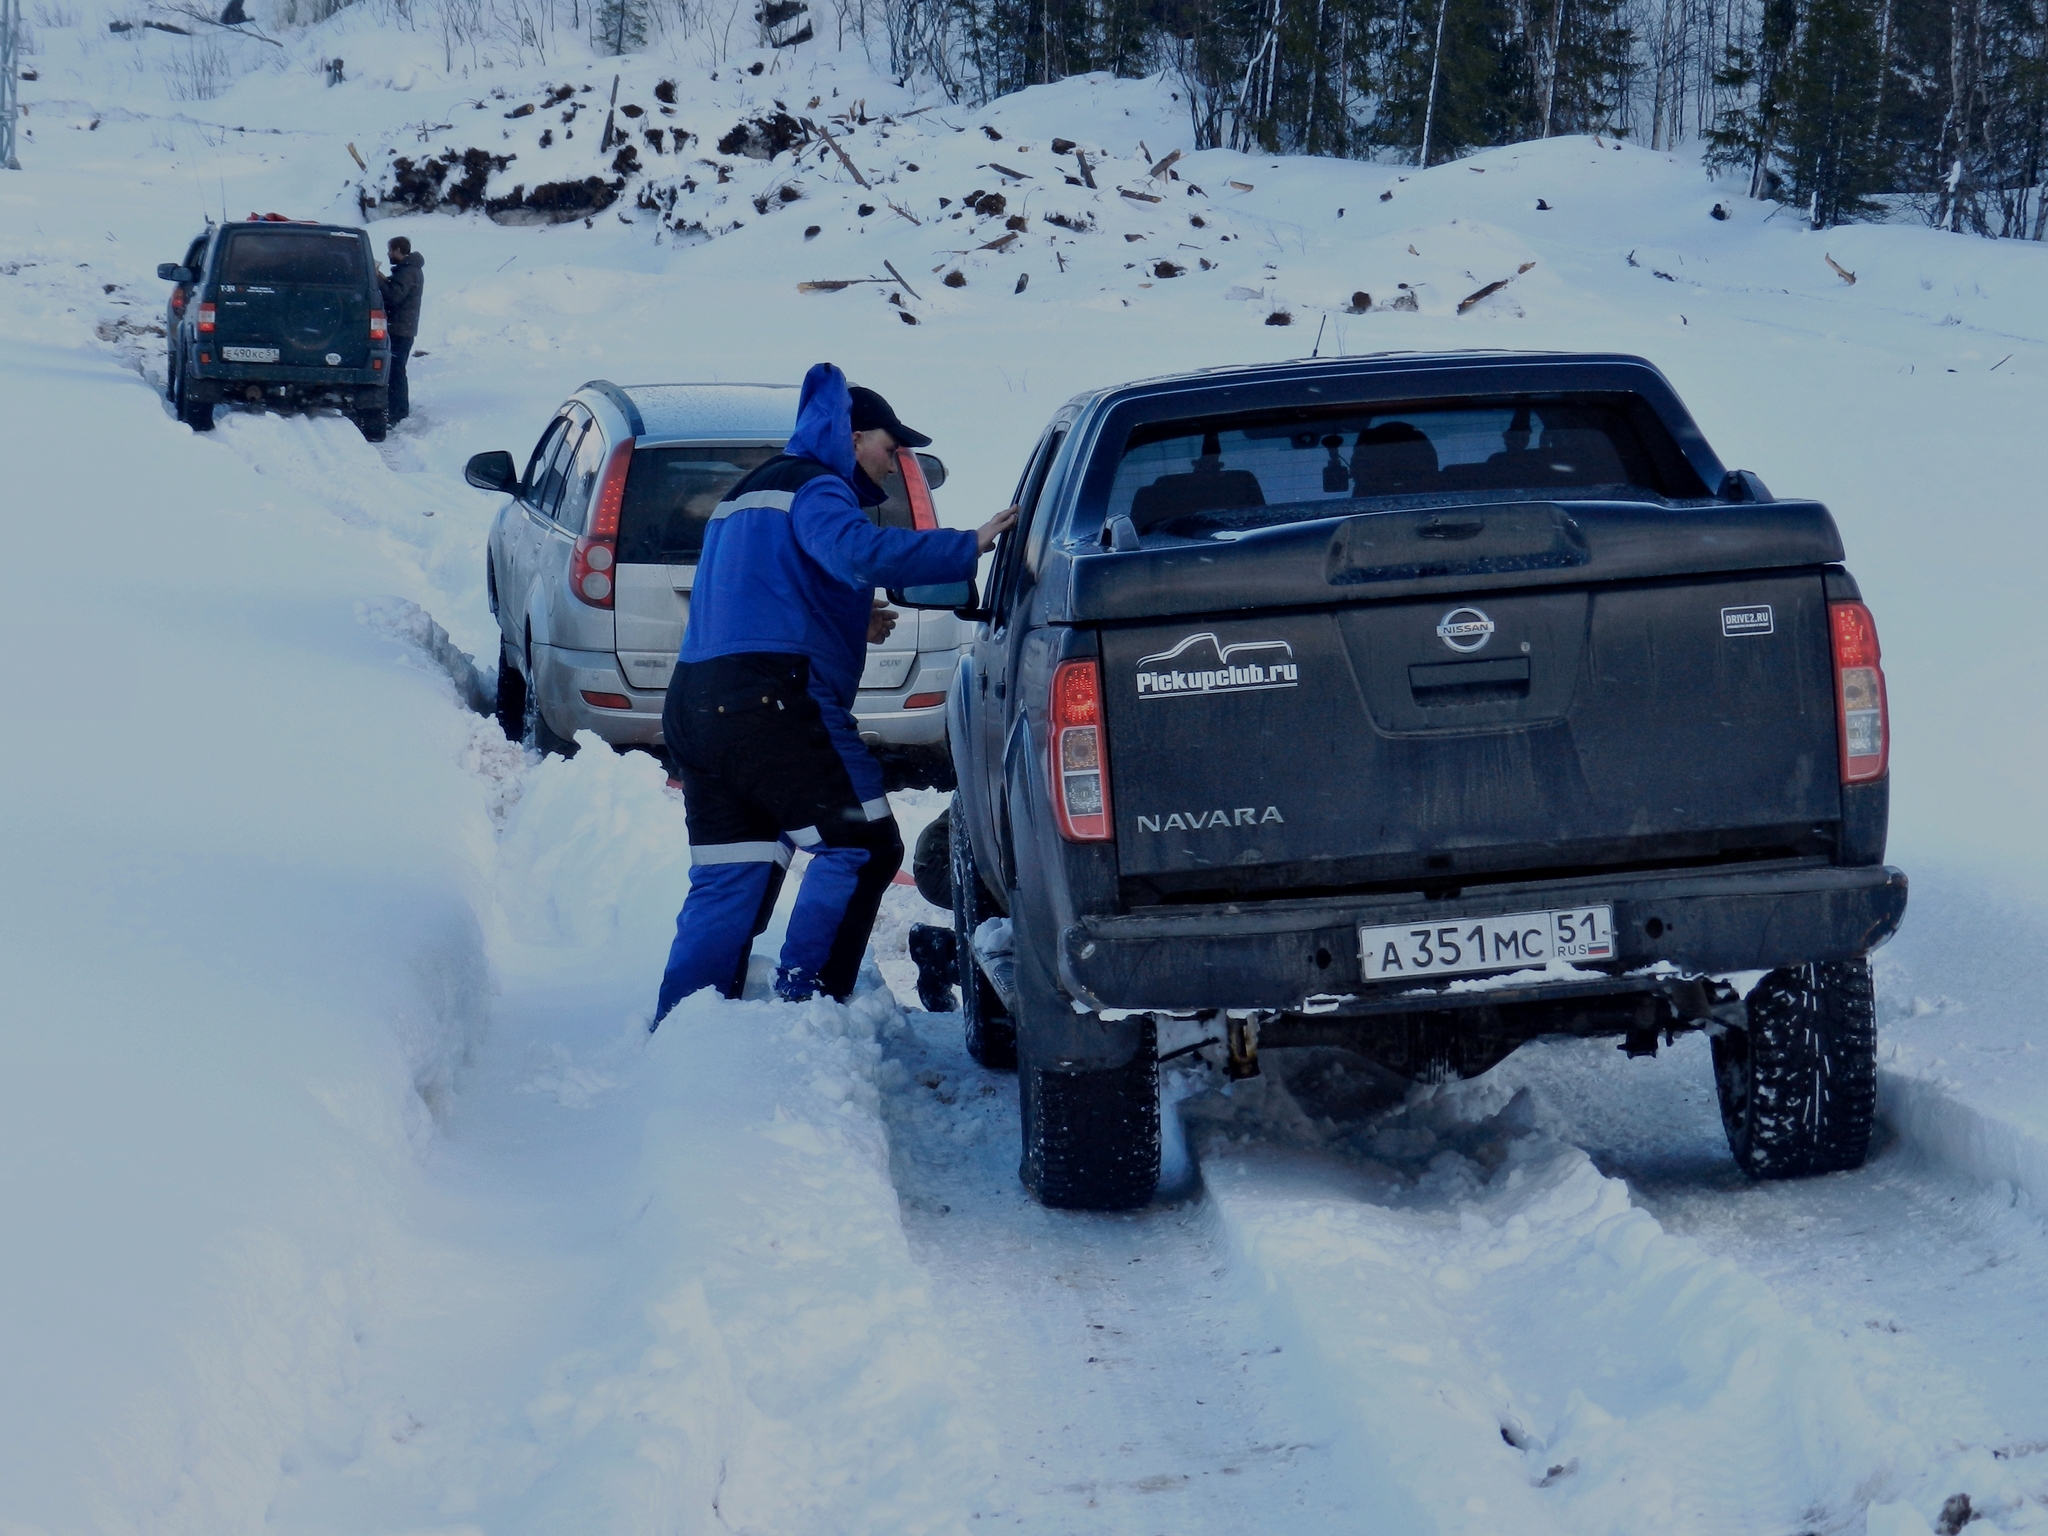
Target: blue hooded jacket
(791, 560)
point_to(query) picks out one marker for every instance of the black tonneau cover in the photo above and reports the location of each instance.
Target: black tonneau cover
(1418, 553)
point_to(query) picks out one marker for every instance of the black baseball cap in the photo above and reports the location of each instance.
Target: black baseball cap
(870, 410)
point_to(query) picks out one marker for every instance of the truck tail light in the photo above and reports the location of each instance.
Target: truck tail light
(1860, 708)
(1080, 755)
(916, 491)
(591, 569)
(206, 318)
(379, 330)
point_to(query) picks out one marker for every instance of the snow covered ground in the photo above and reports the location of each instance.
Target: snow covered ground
(341, 1187)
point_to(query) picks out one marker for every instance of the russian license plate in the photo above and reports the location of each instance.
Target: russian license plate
(1510, 943)
(248, 354)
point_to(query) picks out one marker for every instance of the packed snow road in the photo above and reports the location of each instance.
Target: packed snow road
(1361, 1307)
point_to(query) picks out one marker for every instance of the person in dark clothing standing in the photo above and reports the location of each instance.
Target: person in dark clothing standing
(759, 715)
(402, 290)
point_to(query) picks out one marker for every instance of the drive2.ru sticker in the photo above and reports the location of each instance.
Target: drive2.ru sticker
(1756, 620)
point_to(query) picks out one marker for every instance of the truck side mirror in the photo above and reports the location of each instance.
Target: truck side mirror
(171, 272)
(492, 471)
(958, 596)
(934, 469)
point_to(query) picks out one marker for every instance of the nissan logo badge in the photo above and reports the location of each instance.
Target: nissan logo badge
(1464, 629)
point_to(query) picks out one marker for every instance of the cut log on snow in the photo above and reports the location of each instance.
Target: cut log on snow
(1004, 170)
(1840, 271)
(357, 155)
(1000, 243)
(1492, 288)
(851, 169)
(1087, 172)
(1242, 186)
(1164, 165)
(835, 284)
(1137, 197)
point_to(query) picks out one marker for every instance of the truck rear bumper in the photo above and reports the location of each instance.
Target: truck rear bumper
(1280, 955)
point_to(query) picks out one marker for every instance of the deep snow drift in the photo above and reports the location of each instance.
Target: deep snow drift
(344, 1189)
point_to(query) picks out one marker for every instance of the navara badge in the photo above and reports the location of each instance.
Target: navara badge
(1464, 629)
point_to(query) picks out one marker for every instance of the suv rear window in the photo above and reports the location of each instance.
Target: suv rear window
(278, 258)
(1204, 477)
(669, 496)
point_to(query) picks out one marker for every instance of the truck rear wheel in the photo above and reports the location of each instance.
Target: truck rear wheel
(1091, 1138)
(374, 423)
(991, 1032)
(1091, 1135)
(1798, 1088)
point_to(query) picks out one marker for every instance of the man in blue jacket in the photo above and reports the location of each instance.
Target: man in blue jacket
(759, 715)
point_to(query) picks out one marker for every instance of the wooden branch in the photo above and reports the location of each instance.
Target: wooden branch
(1492, 288)
(835, 284)
(1840, 271)
(1141, 197)
(904, 211)
(356, 155)
(1163, 166)
(1087, 174)
(899, 278)
(1000, 243)
(1004, 170)
(851, 169)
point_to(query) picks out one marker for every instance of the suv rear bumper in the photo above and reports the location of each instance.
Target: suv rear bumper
(1280, 954)
(565, 674)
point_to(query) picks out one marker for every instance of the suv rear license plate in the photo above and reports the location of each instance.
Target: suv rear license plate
(1511, 943)
(248, 354)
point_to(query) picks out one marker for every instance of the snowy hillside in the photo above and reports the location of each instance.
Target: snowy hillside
(341, 1186)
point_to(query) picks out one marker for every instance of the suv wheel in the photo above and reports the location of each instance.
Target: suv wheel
(1091, 1136)
(196, 414)
(373, 423)
(535, 730)
(991, 1033)
(511, 709)
(1799, 1087)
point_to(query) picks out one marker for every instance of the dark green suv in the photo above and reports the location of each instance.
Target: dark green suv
(270, 312)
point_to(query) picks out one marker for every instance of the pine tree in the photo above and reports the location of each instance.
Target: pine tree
(619, 26)
(1828, 127)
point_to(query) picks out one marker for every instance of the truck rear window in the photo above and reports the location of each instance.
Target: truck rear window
(279, 258)
(1199, 478)
(669, 496)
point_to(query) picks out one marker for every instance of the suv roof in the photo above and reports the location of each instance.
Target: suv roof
(684, 413)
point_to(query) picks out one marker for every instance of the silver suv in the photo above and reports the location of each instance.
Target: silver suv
(594, 551)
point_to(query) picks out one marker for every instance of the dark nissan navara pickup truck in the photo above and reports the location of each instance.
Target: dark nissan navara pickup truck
(1419, 705)
(274, 312)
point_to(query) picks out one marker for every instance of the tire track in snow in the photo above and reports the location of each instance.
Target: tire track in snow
(1135, 1385)
(1531, 1349)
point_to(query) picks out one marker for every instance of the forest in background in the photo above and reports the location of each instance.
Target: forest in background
(1934, 110)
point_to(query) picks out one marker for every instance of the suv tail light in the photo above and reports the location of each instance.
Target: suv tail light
(916, 491)
(379, 330)
(1080, 755)
(1860, 708)
(592, 568)
(206, 316)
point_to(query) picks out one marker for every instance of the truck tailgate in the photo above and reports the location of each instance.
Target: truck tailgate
(1513, 729)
